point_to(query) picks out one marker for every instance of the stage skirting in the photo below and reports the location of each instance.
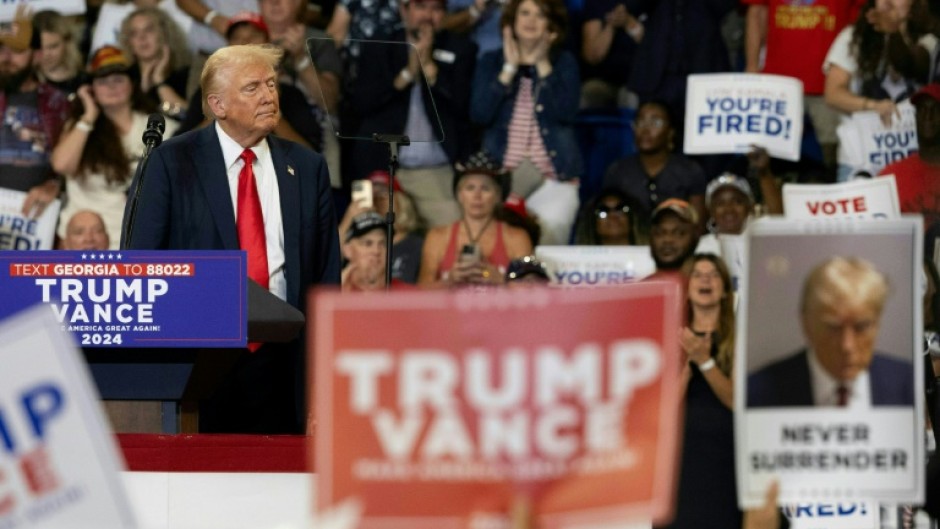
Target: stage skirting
(218, 481)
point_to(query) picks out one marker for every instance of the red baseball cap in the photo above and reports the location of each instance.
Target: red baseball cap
(932, 91)
(381, 177)
(516, 204)
(247, 17)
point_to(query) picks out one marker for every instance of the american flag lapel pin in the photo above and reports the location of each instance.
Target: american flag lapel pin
(290, 170)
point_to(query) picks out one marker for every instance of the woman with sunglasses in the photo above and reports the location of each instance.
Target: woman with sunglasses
(607, 220)
(656, 173)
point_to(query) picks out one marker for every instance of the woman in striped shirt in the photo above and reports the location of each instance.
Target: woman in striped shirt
(526, 97)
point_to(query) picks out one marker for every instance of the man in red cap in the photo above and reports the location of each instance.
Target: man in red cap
(918, 175)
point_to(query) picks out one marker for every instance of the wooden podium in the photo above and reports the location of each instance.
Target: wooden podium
(158, 390)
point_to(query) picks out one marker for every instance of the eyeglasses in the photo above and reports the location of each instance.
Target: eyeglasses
(651, 123)
(620, 210)
(705, 275)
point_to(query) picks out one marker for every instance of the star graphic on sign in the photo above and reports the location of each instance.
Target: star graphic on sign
(101, 256)
(110, 256)
(84, 256)
(92, 257)
(119, 257)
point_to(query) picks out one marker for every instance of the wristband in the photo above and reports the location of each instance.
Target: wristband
(207, 20)
(635, 31)
(84, 125)
(406, 75)
(302, 64)
(706, 365)
(509, 68)
(474, 12)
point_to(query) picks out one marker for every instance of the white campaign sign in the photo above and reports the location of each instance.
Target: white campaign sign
(833, 515)
(59, 464)
(65, 7)
(821, 453)
(868, 145)
(580, 266)
(19, 232)
(112, 15)
(731, 113)
(875, 198)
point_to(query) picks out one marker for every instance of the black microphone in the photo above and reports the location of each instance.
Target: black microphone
(153, 135)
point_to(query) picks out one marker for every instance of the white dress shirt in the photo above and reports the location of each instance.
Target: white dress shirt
(266, 182)
(825, 387)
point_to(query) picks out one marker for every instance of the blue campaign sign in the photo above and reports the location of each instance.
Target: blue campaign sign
(133, 298)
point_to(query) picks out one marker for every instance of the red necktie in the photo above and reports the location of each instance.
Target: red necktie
(842, 395)
(250, 224)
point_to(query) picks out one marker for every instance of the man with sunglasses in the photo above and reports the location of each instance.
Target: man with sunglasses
(656, 172)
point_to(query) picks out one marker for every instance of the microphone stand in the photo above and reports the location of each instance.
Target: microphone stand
(394, 141)
(152, 140)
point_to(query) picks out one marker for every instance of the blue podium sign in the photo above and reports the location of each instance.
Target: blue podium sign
(133, 298)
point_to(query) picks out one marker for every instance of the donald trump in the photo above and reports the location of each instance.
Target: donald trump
(840, 314)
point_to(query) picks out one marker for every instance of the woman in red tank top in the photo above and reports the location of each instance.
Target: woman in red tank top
(477, 248)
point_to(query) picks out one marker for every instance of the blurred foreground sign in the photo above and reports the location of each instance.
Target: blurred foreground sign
(443, 409)
(58, 461)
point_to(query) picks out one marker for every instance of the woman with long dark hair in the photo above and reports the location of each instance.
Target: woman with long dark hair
(99, 148)
(879, 61)
(707, 495)
(607, 220)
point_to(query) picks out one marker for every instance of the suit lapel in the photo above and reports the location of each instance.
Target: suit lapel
(210, 166)
(803, 384)
(288, 184)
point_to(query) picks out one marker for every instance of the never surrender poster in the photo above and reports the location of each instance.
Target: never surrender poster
(443, 409)
(829, 395)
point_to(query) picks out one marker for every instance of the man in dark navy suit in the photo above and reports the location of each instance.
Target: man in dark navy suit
(232, 185)
(840, 309)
